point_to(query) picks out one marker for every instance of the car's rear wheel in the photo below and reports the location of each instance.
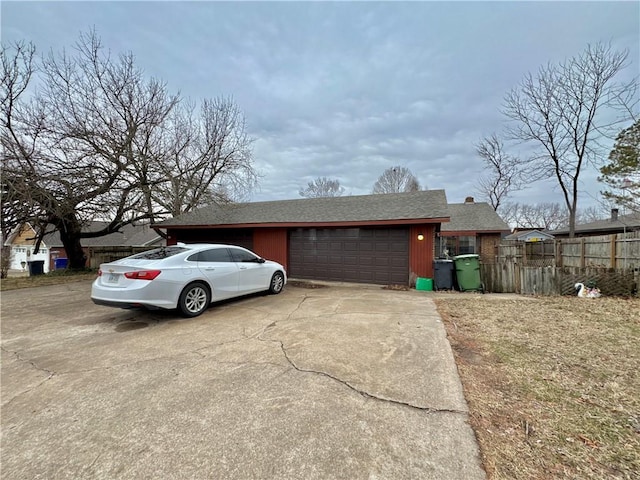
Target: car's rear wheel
(194, 299)
(277, 283)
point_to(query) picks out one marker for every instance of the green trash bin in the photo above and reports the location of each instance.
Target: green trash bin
(468, 272)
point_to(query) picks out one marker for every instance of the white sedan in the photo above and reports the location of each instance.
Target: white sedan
(186, 277)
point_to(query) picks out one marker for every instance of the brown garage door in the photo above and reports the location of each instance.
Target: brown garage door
(364, 255)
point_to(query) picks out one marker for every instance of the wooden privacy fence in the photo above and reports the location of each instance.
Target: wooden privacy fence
(515, 278)
(611, 262)
(620, 250)
(98, 255)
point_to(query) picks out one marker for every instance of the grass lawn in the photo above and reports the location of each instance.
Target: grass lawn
(552, 383)
(51, 278)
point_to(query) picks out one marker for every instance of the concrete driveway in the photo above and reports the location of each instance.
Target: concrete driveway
(338, 382)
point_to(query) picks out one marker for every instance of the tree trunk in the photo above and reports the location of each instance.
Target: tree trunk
(70, 236)
(572, 221)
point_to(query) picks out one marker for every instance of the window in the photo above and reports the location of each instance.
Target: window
(242, 255)
(212, 255)
(452, 246)
(159, 253)
(466, 245)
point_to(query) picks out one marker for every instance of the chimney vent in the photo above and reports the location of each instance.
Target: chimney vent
(614, 214)
(468, 200)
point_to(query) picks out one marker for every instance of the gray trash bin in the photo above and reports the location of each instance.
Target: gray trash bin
(36, 267)
(443, 274)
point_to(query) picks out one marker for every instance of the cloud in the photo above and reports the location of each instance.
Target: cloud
(348, 89)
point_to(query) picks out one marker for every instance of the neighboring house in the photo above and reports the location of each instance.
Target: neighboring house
(532, 235)
(380, 239)
(475, 227)
(615, 224)
(22, 242)
(127, 236)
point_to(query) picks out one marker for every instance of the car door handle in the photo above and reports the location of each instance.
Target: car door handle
(243, 268)
(210, 269)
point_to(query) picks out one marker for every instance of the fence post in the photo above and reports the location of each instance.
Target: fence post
(558, 253)
(582, 252)
(613, 261)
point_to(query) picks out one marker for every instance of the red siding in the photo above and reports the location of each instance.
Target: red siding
(421, 251)
(172, 236)
(271, 243)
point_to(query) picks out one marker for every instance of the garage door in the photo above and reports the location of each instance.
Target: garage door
(364, 255)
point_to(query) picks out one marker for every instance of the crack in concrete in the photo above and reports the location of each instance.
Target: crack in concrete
(244, 336)
(50, 373)
(363, 393)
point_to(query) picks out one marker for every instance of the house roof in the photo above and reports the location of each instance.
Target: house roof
(524, 234)
(427, 205)
(128, 235)
(474, 216)
(18, 231)
(627, 222)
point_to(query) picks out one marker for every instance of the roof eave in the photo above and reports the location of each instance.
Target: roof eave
(603, 230)
(452, 233)
(357, 223)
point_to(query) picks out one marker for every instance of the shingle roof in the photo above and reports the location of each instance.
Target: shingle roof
(525, 233)
(624, 222)
(428, 204)
(129, 235)
(476, 216)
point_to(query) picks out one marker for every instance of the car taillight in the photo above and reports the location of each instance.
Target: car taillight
(99, 273)
(143, 274)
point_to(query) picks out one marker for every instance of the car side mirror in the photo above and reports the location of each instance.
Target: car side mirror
(261, 260)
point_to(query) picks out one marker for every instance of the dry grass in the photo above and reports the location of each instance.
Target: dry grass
(53, 278)
(553, 384)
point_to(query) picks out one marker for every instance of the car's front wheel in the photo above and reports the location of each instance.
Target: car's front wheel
(277, 283)
(194, 299)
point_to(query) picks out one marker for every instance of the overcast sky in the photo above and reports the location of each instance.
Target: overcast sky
(347, 90)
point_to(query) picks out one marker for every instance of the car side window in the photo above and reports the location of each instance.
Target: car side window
(213, 255)
(242, 255)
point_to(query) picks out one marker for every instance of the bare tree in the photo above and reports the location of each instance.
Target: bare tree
(204, 158)
(71, 153)
(17, 69)
(593, 214)
(547, 215)
(503, 172)
(99, 141)
(543, 216)
(322, 187)
(395, 180)
(565, 111)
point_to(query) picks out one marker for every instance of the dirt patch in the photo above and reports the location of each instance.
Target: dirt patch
(553, 385)
(404, 288)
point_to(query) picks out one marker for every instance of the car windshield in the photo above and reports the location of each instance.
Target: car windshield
(159, 253)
